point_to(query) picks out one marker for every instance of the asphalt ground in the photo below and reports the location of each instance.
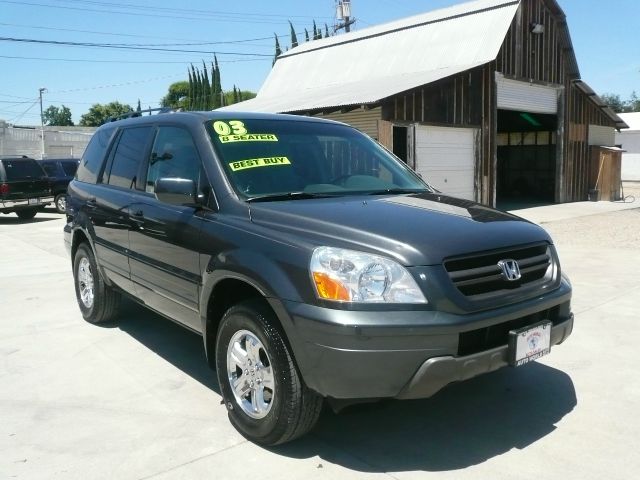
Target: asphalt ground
(136, 400)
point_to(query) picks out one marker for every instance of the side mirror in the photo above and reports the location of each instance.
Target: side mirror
(176, 191)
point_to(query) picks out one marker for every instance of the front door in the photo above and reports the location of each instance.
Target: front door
(164, 257)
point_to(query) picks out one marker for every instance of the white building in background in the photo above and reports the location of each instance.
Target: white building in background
(629, 139)
(59, 142)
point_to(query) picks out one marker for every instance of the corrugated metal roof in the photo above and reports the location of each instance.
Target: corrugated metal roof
(369, 65)
(631, 119)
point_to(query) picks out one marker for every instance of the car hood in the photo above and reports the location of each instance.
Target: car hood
(417, 229)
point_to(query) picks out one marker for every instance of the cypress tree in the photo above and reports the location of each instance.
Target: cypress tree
(218, 92)
(198, 89)
(315, 31)
(139, 107)
(294, 37)
(206, 90)
(306, 34)
(278, 49)
(326, 31)
(190, 104)
(215, 102)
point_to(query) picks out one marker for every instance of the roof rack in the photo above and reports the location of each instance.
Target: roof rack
(138, 113)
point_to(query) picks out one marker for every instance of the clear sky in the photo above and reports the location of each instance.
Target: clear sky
(605, 35)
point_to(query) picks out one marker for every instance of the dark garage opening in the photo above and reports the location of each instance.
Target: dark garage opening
(526, 170)
(400, 142)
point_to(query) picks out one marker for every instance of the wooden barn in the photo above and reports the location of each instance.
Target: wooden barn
(484, 99)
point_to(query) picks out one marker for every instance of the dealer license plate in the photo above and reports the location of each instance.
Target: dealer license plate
(529, 343)
(34, 201)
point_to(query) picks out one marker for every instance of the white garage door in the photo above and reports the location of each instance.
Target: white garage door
(445, 158)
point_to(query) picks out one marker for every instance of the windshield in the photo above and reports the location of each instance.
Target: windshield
(266, 158)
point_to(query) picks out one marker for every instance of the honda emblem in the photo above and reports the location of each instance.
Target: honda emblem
(510, 270)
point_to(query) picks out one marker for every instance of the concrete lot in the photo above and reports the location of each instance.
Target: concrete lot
(137, 401)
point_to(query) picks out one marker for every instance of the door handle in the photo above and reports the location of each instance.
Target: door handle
(92, 203)
(137, 217)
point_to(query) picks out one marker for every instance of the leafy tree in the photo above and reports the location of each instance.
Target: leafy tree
(60, 117)
(99, 113)
(614, 101)
(294, 37)
(634, 102)
(241, 96)
(619, 105)
(178, 95)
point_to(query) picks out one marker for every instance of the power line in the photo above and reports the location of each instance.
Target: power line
(220, 17)
(187, 41)
(186, 10)
(125, 47)
(159, 62)
(15, 119)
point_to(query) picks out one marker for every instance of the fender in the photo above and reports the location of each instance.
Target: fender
(266, 276)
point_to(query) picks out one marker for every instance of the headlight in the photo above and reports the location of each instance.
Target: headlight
(350, 276)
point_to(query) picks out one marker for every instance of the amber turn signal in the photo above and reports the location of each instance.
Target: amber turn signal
(330, 289)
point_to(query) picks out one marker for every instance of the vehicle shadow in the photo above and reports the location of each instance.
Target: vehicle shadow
(465, 424)
(177, 345)
(12, 220)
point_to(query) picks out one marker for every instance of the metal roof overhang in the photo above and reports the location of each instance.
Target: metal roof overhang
(365, 92)
(593, 96)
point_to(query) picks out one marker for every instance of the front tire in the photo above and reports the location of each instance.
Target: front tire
(26, 213)
(60, 202)
(97, 301)
(266, 399)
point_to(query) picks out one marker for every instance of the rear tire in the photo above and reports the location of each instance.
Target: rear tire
(26, 213)
(270, 403)
(97, 301)
(60, 203)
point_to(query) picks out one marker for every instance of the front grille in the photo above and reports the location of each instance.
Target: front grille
(494, 336)
(478, 276)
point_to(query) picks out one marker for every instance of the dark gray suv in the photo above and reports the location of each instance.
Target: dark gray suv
(314, 264)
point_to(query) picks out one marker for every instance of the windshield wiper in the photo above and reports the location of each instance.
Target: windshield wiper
(398, 191)
(274, 197)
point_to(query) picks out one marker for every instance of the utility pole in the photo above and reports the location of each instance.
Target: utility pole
(343, 16)
(42, 90)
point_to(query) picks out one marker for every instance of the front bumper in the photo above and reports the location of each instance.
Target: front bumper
(403, 354)
(25, 203)
(437, 373)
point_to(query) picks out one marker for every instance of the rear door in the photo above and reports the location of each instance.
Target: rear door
(165, 264)
(109, 202)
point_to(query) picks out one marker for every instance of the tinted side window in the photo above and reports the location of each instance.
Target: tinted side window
(70, 168)
(128, 157)
(91, 162)
(173, 155)
(50, 168)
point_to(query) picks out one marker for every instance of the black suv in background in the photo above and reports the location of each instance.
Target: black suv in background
(60, 171)
(313, 262)
(24, 188)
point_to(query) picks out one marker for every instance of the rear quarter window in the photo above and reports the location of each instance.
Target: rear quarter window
(70, 168)
(94, 155)
(21, 169)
